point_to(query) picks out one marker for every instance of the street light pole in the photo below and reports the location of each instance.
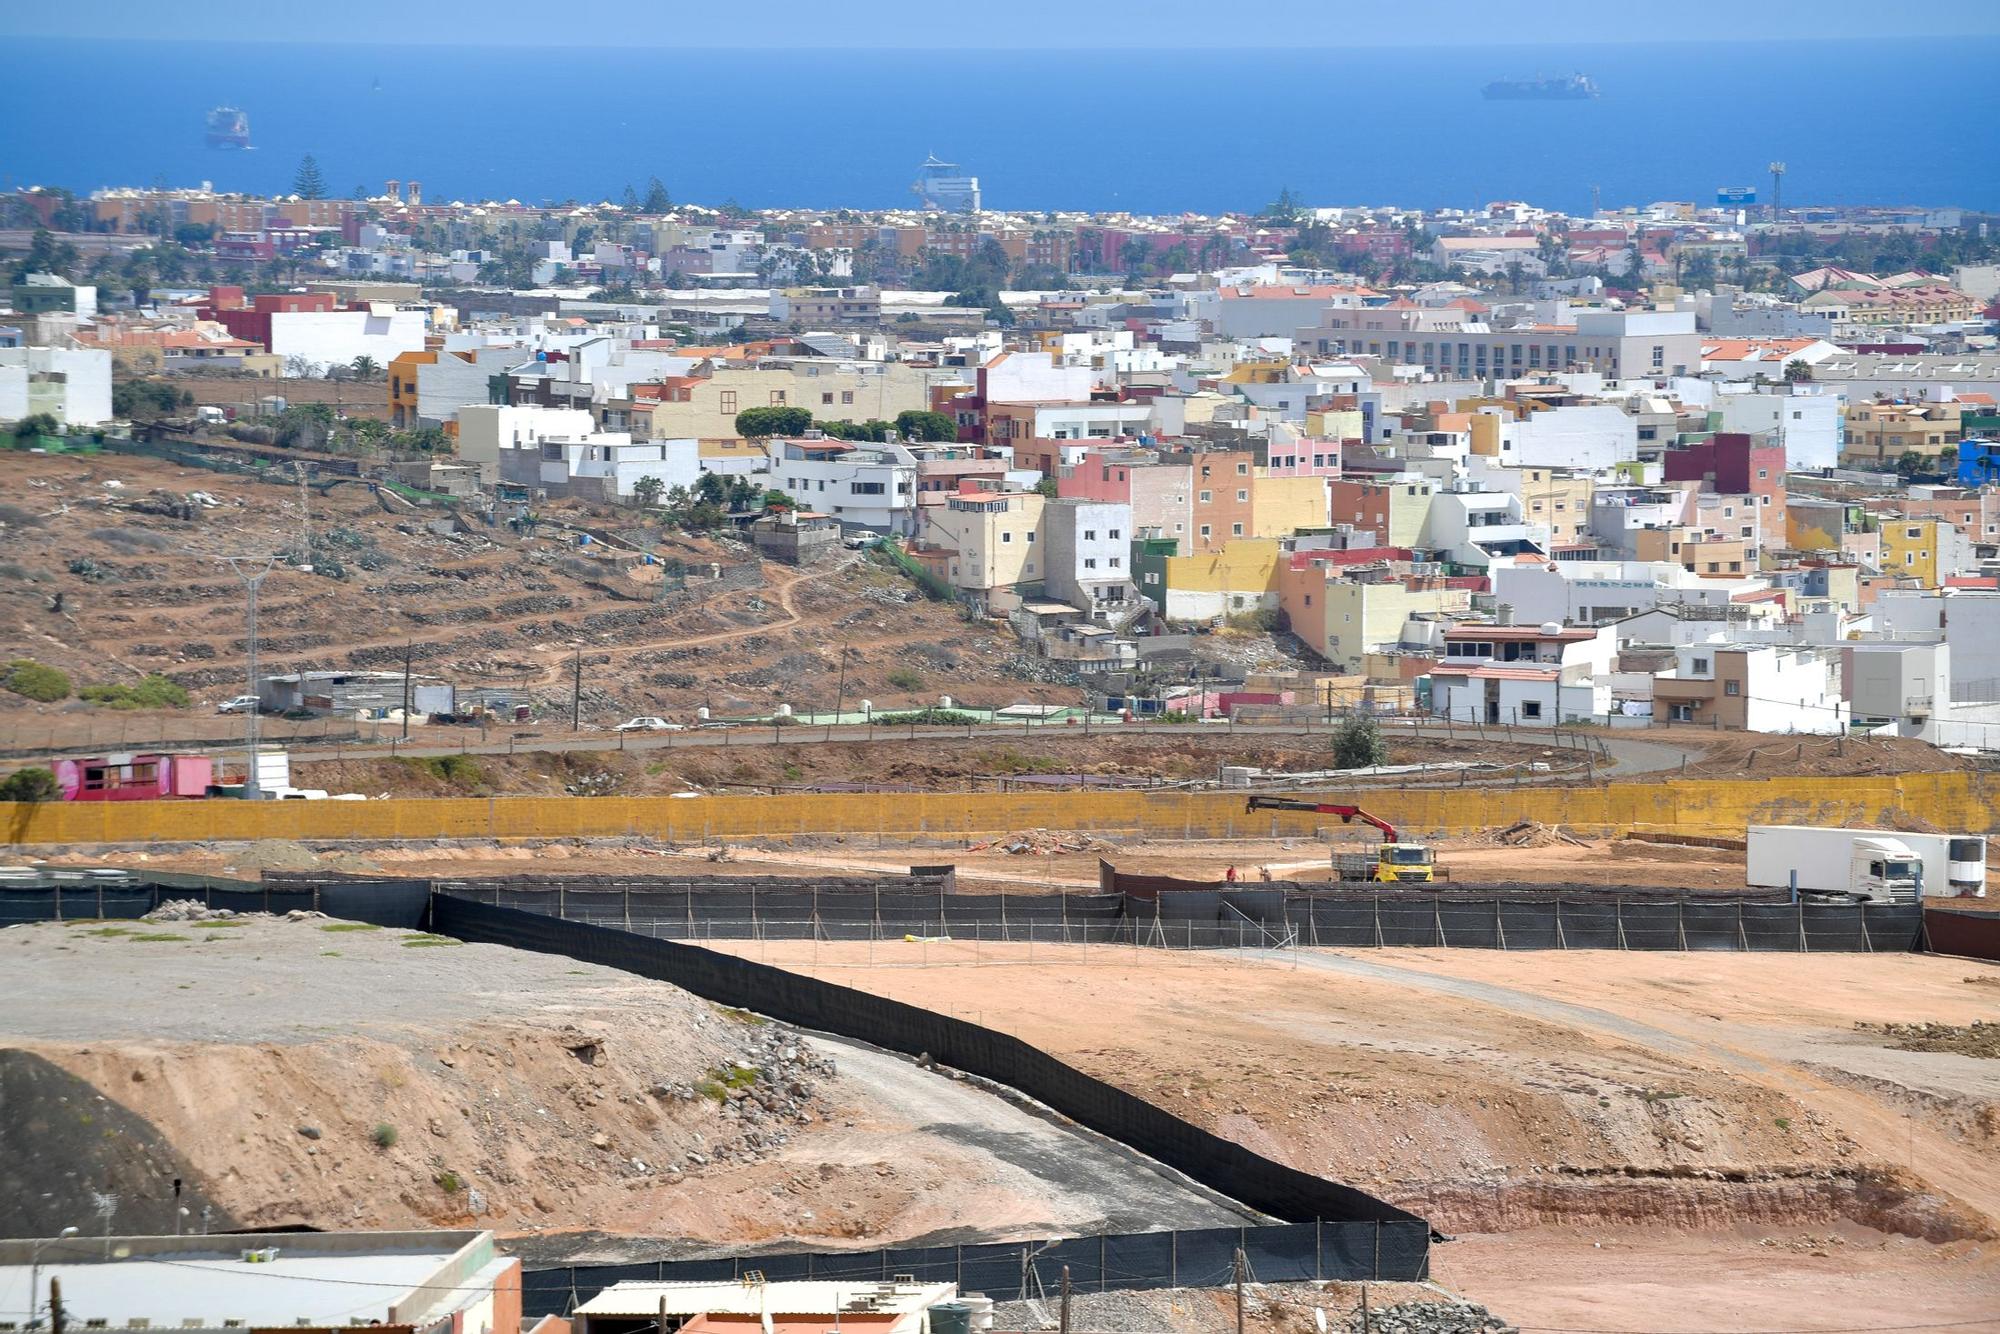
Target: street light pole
(252, 791)
(35, 1273)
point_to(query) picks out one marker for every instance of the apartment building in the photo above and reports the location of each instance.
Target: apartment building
(872, 486)
(1880, 433)
(1620, 344)
(1393, 509)
(1344, 614)
(487, 430)
(1520, 674)
(1158, 493)
(1754, 688)
(1086, 550)
(989, 542)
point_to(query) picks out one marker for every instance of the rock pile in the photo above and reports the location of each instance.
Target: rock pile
(772, 1086)
(1449, 1317)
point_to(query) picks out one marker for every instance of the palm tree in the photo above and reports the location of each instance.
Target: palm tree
(364, 367)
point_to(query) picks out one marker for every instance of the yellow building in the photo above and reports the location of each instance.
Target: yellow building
(1344, 620)
(1913, 548)
(1559, 499)
(1281, 506)
(1236, 577)
(990, 541)
(1878, 434)
(402, 386)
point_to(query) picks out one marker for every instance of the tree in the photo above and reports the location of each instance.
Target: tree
(1912, 465)
(1285, 208)
(38, 424)
(934, 427)
(32, 784)
(710, 489)
(1797, 372)
(1358, 744)
(309, 183)
(1046, 487)
(778, 500)
(657, 199)
(763, 423)
(364, 367)
(648, 490)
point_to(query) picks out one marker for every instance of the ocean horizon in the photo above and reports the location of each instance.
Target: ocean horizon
(1159, 131)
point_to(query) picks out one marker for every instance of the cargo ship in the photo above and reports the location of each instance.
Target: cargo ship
(228, 128)
(1575, 88)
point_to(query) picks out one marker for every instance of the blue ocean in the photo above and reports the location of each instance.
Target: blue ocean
(1881, 122)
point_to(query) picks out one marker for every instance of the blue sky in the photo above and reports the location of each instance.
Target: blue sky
(1030, 24)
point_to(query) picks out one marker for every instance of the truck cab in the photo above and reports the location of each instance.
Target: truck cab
(1885, 871)
(1390, 863)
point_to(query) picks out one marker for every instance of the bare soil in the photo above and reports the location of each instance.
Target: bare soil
(532, 1094)
(1720, 1107)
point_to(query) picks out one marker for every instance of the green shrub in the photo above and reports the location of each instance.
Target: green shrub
(385, 1136)
(458, 770)
(36, 681)
(1358, 744)
(154, 692)
(906, 678)
(30, 784)
(448, 1182)
(931, 717)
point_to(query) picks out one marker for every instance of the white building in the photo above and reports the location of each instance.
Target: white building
(380, 330)
(485, 430)
(1754, 688)
(1900, 687)
(862, 485)
(1587, 437)
(71, 384)
(1805, 421)
(1086, 550)
(1474, 527)
(1522, 674)
(608, 464)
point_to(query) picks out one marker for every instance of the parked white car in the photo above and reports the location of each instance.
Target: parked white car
(647, 725)
(241, 704)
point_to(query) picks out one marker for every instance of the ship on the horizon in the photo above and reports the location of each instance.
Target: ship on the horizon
(1574, 88)
(227, 128)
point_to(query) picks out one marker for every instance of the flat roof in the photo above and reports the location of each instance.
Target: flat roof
(171, 1290)
(802, 1298)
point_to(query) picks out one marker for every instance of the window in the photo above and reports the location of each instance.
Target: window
(1206, 497)
(729, 400)
(1914, 532)
(847, 396)
(826, 398)
(1090, 534)
(1683, 713)
(1204, 530)
(1732, 687)
(1309, 599)
(1242, 470)
(1112, 534)
(1031, 537)
(777, 398)
(1236, 530)
(1005, 538)
(1090, 562)
(1242, 497)
(1531, 708)
(866, 489)
(1115, 562)
(1701, 664)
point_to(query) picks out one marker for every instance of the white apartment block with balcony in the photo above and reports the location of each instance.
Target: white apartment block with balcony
(872, 486)
(1475, 527)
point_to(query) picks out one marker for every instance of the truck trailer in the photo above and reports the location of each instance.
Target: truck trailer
(1871, 865)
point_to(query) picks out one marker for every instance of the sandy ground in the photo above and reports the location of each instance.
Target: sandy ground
(1712, 1115)
(1610, 863)
(537, 1083)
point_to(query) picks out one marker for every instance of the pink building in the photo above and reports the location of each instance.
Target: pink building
(1157, 492)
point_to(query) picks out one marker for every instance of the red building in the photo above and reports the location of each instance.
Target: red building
(134, 777)
(254, 322)
(1732, 464)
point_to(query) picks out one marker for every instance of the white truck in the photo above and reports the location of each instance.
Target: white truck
(1872, 865)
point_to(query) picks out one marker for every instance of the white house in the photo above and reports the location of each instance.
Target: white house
(1474, 527)
(871, 486)
(1902, 688)
(1806, 422)
(1754, 688)
(380, 330)
(71, 384)
(485, 430)
(1086, 550)
(1587, 436)
(1522, 674)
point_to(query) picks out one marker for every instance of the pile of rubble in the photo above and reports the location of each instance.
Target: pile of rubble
(1977, 1038)
(771, 1086)
(1528, 834)
(1444, 1317)
(1046, 671)
(194, 910)
(1043, 843)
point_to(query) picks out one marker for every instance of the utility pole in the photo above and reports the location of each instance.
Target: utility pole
(252, 791)
(840, 691)
(409, 647)
(576, 696)
(1239, 1289)
(1777, 170)
(58, 1318)
(1062, 1324)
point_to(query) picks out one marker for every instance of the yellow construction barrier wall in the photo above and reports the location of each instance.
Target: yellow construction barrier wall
(1957, 802)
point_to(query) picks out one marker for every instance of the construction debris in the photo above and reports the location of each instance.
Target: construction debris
(1527, 834)
(1975, 1039)
(1044, 843)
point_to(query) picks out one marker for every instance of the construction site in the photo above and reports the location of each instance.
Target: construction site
(1507, 1019)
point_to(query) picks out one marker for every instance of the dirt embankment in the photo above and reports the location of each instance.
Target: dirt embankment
(325, 1074)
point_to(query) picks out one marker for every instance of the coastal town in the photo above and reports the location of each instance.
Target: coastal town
(653, 766)
(1723, 464)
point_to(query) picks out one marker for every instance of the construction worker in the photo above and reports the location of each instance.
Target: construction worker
(1230, 875)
